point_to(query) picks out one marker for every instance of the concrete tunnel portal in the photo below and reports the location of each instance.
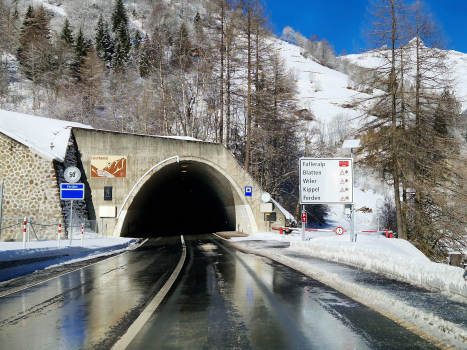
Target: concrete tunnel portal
(183, 198)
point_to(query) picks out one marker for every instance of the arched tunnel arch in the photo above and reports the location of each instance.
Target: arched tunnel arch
(185, 197)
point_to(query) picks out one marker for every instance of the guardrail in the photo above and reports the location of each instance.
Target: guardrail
(388, 233)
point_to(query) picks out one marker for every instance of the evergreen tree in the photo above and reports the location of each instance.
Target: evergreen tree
(181, 49)
(119, 16)
(121, 56)
(137, 40)
(67, 33)
(81, 47)
(103, 41)
(29, 14)
(35, 47)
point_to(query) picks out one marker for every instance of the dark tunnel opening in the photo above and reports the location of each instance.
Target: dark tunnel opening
(181, 199)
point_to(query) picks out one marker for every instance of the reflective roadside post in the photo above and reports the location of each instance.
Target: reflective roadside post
(352, 144)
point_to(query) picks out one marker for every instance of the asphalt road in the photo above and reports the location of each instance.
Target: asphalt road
(226, 299)
(223, 299)
(91, 307)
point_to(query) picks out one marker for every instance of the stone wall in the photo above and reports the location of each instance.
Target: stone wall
(30, 190)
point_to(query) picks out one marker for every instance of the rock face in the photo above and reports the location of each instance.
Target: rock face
(30, 190)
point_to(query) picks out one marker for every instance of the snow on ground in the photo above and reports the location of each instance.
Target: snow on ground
(321, 88)
(395, 258)
(400, 308)
(47, 136)
(47, 253)
(50, 7)
(48, 248)
(373, 252)
(456, 61)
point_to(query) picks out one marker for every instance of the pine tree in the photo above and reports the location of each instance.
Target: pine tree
(35, 46)
(137, 40)
(29, 14)
(181, 49)
(103, 41)
(121, 56)
(119, 16)
(81, 47)
(67, 33)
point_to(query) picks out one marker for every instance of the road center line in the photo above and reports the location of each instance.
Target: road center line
(133, 330)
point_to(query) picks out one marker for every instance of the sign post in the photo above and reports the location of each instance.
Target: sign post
(1, 205)
(303, 222)
(73, 191)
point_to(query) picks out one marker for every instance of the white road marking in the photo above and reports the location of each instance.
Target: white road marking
(133, 330)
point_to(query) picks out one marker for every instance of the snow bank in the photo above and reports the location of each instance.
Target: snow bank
(11, 251)
(47, 136)
(393, 257)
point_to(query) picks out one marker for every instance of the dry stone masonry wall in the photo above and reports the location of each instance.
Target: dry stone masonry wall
(30, 190)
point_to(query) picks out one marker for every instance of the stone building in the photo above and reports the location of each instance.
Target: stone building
(32, 150)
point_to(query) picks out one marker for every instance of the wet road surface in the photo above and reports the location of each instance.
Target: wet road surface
(91, 307)
(226, 299)
(431, 302)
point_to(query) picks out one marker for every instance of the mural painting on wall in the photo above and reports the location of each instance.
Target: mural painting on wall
(108, 166)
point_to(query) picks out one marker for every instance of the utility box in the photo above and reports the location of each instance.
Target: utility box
(266, 207)
(108, 211)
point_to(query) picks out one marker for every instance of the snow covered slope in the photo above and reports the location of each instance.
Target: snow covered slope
(47, 136)
(321, 89)
(456, 61)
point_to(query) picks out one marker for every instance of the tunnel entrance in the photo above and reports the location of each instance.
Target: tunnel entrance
(184, 198)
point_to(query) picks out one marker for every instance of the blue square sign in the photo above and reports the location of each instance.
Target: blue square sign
(71, 191)
(248, 191)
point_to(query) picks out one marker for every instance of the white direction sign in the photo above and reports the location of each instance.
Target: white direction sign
(326, 180)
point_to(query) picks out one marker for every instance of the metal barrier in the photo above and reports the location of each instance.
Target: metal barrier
(389, 234)
(31, 230)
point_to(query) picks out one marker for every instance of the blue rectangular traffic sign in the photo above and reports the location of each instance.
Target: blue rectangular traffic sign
(72, 191)
(248, 191)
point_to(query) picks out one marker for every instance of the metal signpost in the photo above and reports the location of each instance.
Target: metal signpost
(326, 181)
(303, 222)
(72, 191)
(1, 205)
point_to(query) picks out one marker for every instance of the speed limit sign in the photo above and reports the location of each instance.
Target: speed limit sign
(72, 174)
(339, 230)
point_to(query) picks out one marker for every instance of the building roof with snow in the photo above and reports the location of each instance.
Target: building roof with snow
(47, 136)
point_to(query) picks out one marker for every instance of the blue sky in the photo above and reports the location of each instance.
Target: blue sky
(341, 21)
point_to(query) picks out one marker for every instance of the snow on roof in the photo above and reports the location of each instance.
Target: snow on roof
(47, 136)
(185, 138)
(287, 215)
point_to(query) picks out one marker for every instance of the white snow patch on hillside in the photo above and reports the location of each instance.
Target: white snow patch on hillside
(456, 61)
(47, 136)
(321, 88)
(53, 8)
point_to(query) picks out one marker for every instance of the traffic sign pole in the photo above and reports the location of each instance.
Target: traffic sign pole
(303, 222)
(71, 221)
(352, 210)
